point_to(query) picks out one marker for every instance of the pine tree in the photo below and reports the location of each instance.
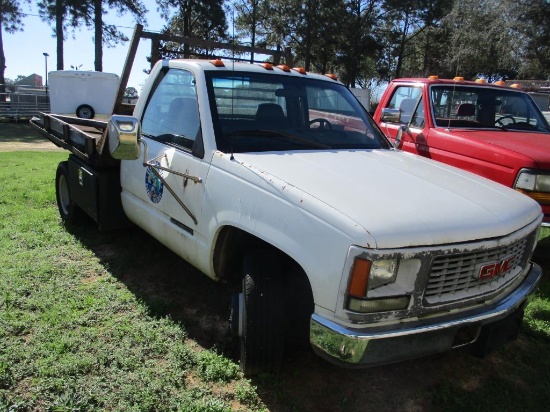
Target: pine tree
(10, 21)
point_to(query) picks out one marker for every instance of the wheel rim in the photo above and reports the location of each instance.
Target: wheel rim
(85, 113)
(64, 199)
(236, 317)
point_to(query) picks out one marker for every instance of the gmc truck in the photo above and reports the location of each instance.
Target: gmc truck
(489, 129)
(277, 181)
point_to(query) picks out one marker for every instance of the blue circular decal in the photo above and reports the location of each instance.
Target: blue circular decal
(153, 185)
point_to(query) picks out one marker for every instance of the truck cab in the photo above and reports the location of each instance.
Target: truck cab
(489, 129)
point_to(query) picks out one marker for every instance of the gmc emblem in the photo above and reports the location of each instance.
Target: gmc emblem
(495, 269)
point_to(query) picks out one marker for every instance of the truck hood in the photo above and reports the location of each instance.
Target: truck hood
(536, 146)
(400, 199)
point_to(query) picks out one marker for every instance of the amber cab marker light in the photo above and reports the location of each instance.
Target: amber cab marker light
(267, 66)
(458, 79)
(516, 86)
(283, 67)
(500, 83)
(433, 77)
(359, 278)
(217, 63)
(300, 70)
(482, 81)
(331, 76)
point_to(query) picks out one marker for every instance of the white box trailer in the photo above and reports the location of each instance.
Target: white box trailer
(82, 93)
(363, 95)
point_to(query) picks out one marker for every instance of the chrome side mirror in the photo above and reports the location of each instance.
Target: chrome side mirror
(391, 115)
(123, 136)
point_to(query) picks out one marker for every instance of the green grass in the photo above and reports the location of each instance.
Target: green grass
(94, 321)
(72, 335)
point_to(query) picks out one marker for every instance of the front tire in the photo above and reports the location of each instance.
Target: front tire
(68, 210)
(263, 313)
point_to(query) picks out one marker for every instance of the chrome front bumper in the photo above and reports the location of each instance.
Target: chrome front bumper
(368, 346)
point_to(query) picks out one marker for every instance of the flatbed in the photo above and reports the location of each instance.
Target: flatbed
(82, 137)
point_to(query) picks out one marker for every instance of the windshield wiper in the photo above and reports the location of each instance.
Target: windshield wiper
(276, 134)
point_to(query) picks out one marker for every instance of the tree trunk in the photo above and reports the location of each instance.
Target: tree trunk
(98, 24)
(253, 44)
(187, 28)
(402, 43)
(2, 67)
(59, 33)
(310, 16)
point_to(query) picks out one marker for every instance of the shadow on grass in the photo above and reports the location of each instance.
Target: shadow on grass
(542, 253)
(164, 282)
(169, 286)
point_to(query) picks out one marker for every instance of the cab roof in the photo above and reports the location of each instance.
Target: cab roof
(456, 81)
(281, 69)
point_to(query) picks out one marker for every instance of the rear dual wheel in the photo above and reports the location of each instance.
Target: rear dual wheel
(68, 210)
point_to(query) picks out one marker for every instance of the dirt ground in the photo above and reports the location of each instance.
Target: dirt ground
(20, 136)
(23, 146)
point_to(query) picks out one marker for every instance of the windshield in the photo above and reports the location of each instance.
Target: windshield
(255, 112)
(486, 107)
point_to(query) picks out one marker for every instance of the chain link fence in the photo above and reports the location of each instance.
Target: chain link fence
(21, 102)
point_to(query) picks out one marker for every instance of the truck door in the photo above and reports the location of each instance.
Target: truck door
(163, 190)
(410, 103)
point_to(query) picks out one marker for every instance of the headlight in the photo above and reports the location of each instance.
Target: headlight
(543, 183)
(533, 182)
(367, 275)
(381, 285)
(536, 186)
(382, 272)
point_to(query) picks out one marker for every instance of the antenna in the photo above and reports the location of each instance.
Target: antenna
(233, 35)
(232, 157)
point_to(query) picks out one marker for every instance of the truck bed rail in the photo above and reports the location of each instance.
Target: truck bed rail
(84, 138)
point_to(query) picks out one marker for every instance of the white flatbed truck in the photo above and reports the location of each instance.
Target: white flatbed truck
(279, 181)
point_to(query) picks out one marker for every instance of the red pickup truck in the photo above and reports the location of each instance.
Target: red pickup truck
(489, 129)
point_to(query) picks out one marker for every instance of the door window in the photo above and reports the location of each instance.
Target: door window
(172, 114)
(418, 116)
(405, 98)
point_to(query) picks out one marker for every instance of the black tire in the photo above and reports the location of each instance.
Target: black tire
(85, 111)
(68, 211)
(262, 340)
(299, 307)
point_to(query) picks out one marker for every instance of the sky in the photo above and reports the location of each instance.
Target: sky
(24, 49)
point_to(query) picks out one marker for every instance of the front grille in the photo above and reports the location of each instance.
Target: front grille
(457, 276)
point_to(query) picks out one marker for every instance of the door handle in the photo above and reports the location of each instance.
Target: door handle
(194, 179)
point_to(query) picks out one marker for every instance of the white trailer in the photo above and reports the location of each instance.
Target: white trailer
(83, 93)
